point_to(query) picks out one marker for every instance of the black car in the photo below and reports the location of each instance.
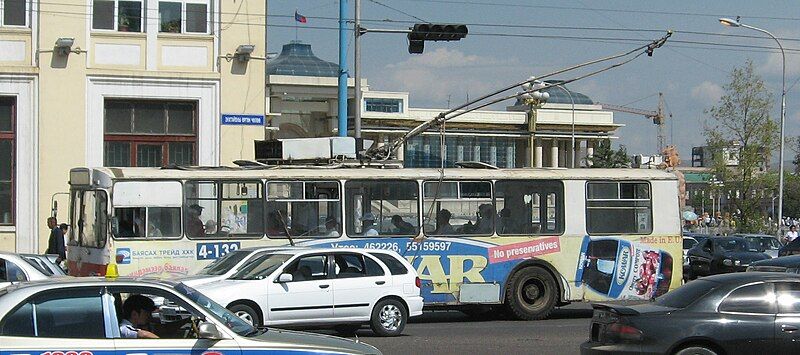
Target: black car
(791, 248)
(742, 313)
(719, 255)
(790, 264)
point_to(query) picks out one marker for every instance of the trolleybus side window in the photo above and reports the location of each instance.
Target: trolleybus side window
(382, 207)
(530, 207)
(618, 208)
(242, 209)
(304, 209)
(453, 208)
(200, 210)
(147, 222)
(89, 218)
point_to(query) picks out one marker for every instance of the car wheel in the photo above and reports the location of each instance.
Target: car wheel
(696, 350)
(246, 313)
(347, 329)
(388, 318)
(532, 294)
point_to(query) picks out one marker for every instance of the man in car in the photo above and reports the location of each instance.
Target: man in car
(136, 312)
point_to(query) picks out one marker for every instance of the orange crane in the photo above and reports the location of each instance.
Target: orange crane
(657, 117)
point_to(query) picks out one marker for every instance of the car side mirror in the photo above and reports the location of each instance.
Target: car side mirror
(285, 278)
(207, 330)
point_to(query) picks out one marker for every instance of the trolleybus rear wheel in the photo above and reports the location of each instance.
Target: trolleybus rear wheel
(532, 294)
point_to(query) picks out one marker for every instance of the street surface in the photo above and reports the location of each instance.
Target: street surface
(455, 333)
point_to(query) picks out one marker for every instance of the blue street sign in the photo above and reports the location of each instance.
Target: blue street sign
(242, 119)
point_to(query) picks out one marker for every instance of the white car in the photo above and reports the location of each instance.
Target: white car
(344, 288)
(15, 268)
(228, 265)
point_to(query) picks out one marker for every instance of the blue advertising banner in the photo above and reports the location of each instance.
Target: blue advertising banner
(242, 119)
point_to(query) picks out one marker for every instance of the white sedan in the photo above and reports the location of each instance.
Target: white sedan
(341, 287)
(15, 268)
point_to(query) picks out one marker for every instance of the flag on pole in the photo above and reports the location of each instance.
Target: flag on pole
(299, 18)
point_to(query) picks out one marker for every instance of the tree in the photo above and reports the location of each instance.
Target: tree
(739, 127)
(606, 157)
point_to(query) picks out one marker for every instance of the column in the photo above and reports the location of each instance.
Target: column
(577, 154)
(554, 153)
(562, 153)
(538, 154)
(589, 152)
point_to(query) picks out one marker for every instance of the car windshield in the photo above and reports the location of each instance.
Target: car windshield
(685, 295)
(767, 243)
(734, 245)
(223, 315)
(260, 267)
(36, 263)
(688, 243)
(225, 263)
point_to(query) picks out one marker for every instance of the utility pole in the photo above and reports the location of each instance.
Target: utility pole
(342, 102)
(357, 71)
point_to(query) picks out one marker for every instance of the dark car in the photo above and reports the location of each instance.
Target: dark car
(790, 264)
(719, 255)
(791, 248)
(742, 313)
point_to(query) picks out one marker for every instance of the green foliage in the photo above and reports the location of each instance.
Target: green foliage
(606, 157)
(741, 120)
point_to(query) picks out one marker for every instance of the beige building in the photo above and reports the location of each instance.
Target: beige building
(119, 83)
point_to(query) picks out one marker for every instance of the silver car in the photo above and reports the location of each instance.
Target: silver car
(15, 268)
(768, 244)
(82, 316)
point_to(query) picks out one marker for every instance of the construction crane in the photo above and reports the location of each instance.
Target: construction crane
(657, 117)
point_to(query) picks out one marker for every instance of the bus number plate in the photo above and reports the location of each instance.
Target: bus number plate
(211, 251)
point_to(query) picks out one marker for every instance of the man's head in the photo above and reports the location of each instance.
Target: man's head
(195, 210)
(793, 229)
(368, 219)
(64, 227)
(443, 217)
(396, 219)
(138, 309)
(51, 222)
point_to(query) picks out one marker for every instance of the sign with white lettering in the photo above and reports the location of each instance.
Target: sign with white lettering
(242, 119)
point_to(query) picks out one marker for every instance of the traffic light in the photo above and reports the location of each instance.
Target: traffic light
(422, 32)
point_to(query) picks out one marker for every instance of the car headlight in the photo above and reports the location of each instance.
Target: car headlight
(727, 262)
(737, 262)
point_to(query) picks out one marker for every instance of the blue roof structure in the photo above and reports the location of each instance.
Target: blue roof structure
(296, 58)
(558, 96)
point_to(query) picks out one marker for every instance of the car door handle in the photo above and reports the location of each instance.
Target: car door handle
(380, 282)
(788, 328)
(324, 286)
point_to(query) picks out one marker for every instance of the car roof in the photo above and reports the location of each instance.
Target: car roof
(88, 281)
(751, 277)
(311, 250)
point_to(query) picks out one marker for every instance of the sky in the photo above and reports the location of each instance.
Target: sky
(511, 40)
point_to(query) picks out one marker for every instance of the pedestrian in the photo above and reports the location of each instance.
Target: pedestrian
(791, 235)
(55, 244)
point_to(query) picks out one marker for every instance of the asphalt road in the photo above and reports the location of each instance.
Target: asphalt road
(455, 333)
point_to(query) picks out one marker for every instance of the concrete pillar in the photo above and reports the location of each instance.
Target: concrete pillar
(589, 151)
(554, 153)
(538, 154)
(562, 153)
(577, 154)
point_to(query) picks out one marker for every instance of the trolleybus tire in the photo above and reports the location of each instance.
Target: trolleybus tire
(532, 294)
(246, 313)
(389, 317)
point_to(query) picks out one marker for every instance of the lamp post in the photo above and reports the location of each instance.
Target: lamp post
(572, 146)
(737, 23)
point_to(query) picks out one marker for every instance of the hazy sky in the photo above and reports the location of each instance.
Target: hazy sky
(511, 40)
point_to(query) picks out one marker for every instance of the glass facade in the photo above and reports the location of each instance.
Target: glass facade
(383, 105)
(424, 151)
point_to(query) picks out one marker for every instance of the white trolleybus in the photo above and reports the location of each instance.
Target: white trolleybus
(529, 239)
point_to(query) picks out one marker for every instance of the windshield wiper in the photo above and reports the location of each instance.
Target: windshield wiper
(256, 331)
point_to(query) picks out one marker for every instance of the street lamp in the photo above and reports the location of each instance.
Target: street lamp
(572, 146)
(736, 23)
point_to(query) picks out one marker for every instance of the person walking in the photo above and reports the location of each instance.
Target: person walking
(55, 244)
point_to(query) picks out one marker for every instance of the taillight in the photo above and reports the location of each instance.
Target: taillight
(418, 282)
(622, 332)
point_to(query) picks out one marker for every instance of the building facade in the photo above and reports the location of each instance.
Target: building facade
(119, 83)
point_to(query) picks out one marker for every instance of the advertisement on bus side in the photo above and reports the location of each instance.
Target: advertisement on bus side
(621, 269)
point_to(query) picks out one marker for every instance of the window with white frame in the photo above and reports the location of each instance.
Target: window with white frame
(13, 12)
(184, 16)
(117, 15)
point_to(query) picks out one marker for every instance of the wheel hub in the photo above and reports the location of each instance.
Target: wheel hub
(390, 317)
(245, 317)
